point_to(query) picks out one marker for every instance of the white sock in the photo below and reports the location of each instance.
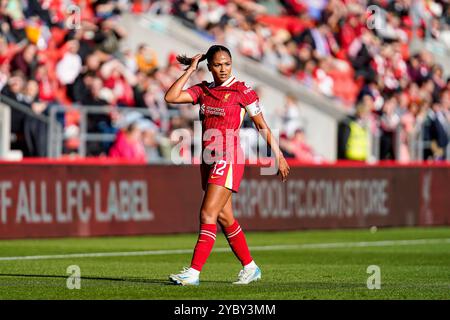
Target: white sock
(194, 272)
(251, 265)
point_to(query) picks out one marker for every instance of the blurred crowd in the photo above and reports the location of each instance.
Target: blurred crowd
(52, 59)
(54, 56)
(356, 52)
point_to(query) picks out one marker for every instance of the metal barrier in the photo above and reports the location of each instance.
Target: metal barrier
(417, 144)
(5, 130)
(22, 108)
(6, 123)
(373, 145)
(448, 152)
(57, 137)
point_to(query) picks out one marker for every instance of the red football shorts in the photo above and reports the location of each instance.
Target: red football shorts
(222, 173)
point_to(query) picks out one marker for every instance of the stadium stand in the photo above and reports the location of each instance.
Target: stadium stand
(52, 59)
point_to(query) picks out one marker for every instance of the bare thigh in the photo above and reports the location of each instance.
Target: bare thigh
(214, 201)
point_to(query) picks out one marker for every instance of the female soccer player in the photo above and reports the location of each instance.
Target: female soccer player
(223, 106)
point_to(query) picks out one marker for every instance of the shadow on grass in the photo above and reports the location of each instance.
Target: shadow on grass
(297, 284)
(117, 279)
(121, 279)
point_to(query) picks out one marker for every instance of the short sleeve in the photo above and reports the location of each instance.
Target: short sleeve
(250, 100)
(195, 92)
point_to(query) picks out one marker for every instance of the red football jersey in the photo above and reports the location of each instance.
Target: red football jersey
(222, 110)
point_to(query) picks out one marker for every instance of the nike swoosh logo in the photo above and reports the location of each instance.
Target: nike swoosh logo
(215, 177)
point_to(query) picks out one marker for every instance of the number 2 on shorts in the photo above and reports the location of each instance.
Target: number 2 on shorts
(219, 167)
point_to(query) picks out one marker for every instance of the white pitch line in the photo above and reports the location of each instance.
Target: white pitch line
(362, 244)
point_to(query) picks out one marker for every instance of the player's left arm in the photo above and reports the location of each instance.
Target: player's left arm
(266, 133)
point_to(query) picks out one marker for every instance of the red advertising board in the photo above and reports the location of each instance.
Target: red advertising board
(60, 199)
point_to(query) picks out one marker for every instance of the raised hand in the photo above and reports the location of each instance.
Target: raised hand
(195, 60)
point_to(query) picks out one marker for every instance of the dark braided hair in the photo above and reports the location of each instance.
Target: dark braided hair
(184, 60)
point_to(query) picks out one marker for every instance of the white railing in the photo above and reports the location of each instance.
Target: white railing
(57, 137)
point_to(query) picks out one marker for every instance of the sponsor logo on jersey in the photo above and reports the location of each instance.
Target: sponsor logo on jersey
(215, 111)
(248, 88)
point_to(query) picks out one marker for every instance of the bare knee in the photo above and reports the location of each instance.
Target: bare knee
(208, 216)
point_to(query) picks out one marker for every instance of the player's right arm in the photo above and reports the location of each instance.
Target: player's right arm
(176, 94)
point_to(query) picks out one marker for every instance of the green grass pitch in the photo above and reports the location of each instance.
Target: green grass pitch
(303, 265)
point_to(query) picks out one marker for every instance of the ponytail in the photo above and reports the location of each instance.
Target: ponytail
(186, 61)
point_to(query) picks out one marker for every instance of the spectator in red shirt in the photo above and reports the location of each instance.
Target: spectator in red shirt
(296, 145)
(128, 144)
(350, 30)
